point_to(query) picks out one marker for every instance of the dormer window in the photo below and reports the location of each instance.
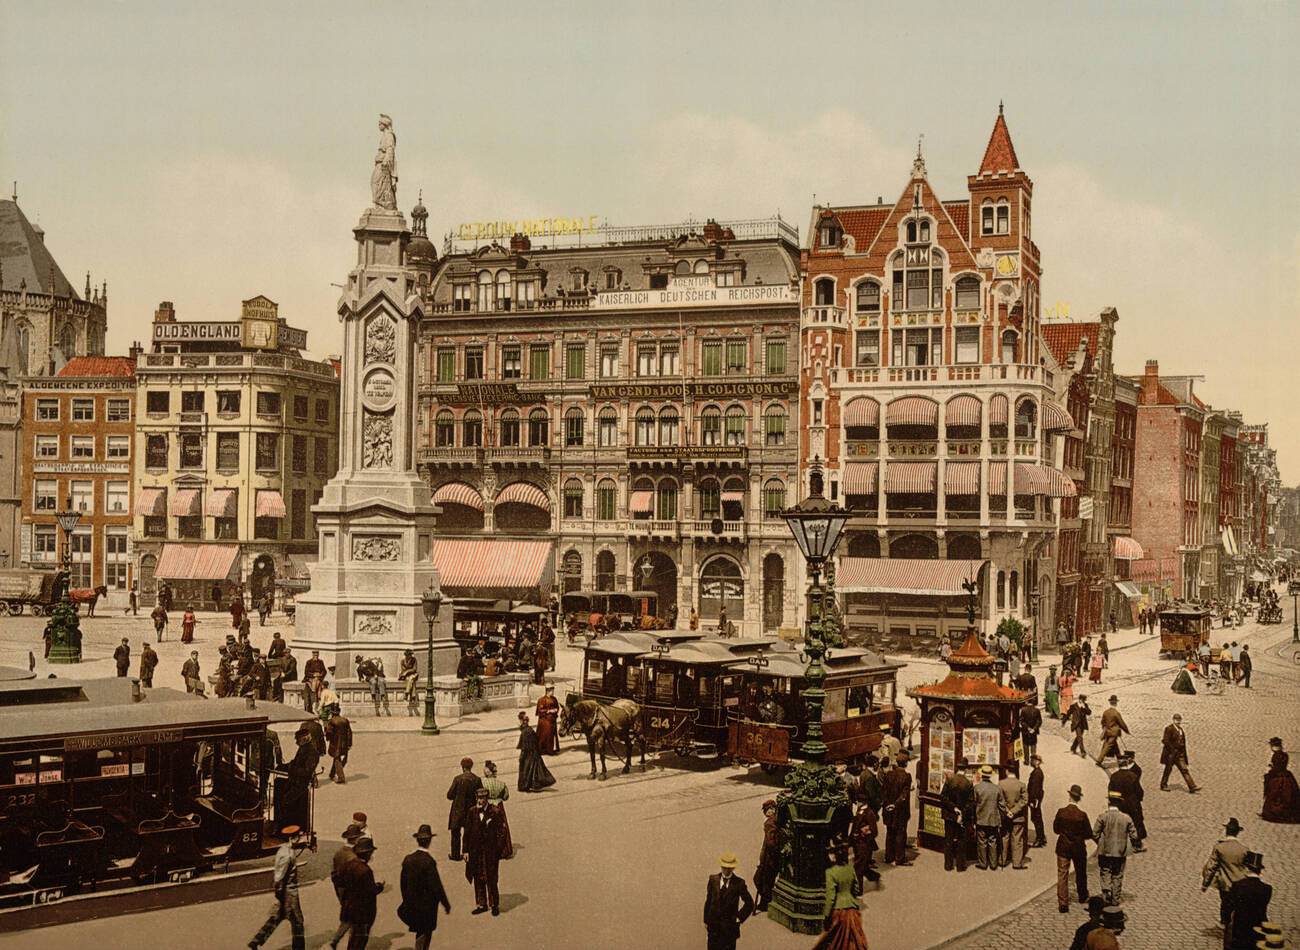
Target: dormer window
(461, 295)
(613, 277)
(830, 236)
(484, 291)
(503, 290)
(918, 232)
(701, 267)
(725, 278)
(579, 279)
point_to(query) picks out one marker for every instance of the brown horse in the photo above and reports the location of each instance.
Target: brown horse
(88, 596)
(600, 723)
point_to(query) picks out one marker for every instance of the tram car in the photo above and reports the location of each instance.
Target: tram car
(769, 724)
(103, 785)
(611, 665)
(616, 609)
(1183, 628)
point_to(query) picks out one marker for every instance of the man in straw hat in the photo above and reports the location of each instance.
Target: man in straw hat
(422, 890)
(1247, 906)
(1114, 832)
(1226, 866)
(988, 821)
(727, 905)
(1073, 832)
(1270, 937)
(357, 892)
(284, 882)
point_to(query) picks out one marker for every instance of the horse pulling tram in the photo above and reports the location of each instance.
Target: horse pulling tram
(1184, 628)
(101, 787)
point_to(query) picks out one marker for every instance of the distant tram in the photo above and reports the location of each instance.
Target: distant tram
(1184, 628)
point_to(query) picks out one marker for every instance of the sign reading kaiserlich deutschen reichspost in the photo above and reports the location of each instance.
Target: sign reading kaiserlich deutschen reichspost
(695, 297)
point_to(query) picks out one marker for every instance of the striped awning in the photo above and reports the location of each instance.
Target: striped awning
(999, 410)
(962, 411)
(962, 478)
(861, 411)
(642, 502)
(861, 478)
(879, 575)
(458, 493)
(1229, 541)
(223, 503)
(270, 504)
(524, 493)
(1126, 549)
(476, 567)
(197, 562)
(152, 502)
(1056, 419)
(1034, 479)
(734, 495)
(910, 478)
(187, 502)
(912, 411)
(997, 478)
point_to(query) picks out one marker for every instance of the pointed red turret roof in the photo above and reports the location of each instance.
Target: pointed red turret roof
(1000, 156)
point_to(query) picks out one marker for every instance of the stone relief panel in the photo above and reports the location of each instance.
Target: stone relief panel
(373, 626)
(377, 439)
(381, 341)
(376, 548)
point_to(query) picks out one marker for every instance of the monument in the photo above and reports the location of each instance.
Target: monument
(375, 519)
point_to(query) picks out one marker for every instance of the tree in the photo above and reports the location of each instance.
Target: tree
(1014, 631)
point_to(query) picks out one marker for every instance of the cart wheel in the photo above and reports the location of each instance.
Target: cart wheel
(38, 610)
(15, 608)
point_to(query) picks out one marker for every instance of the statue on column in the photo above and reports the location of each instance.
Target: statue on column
(383, 180)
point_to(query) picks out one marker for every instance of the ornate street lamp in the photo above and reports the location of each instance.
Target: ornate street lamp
(65, 626)
(815, 797)
(431, 601)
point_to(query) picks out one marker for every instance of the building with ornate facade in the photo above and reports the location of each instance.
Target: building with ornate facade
(630, 398)
(923, 385)
(236, 434)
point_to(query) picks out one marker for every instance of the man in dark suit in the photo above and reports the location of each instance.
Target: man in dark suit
(422, 890)
(1125, 780)
(461, 795)
(727, 905)
(1073, 832)
(1173, 754)
(1031, 721)
(1035, 793)
(1247, 906)
(896, 791)
(483, 842)
(357, 890)
(958, 798)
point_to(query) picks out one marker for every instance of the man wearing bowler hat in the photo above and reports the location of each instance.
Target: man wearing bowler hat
(357, 892)
(727, 905)
(422, 890)
(1073, 832)
(1226, 866)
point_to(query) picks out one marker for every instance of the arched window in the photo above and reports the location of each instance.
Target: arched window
(963, 547)
(575, 424)
(606, 500)
(967, 293)
(666, 504)
(735, 427)
(1026, 419)
(1004, 217)
(605, 568)
(1009, 346)
(1002, 590)
(471, 429)
(503, 290)
(722, 590)
(607, 435)
(986, 217)
(774, 425)
(710, 426)
(24, 346)
(824, 292)
(573, 498)
(645, 426)
(918, 282)
(710, 497)
(682, 268)
(508, 430)
(484, 291)
(773, 499)
(669, 423)
(444, 429)
(868, 297)
(539, 427)
(701, 267)
(571, 568)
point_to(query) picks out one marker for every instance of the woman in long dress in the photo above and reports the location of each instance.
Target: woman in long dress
(1281, 796)
(843, 914)
(533, 773)
(1066, 683)
(1095, 666)
(498, 792)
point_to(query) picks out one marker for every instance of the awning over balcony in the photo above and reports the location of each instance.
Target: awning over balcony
(861, 478)
(197, 562)
(733, 495)
(997, 478)
(998, 410)
(876, 575)
(912, 411)
(524, 493)
(962, 411)
(152, 502)
(270, 504)
(458, 493)
(861, 411)
(642, 502)
(494, 567)
(1126, 549)
(910, 478)
(962, 478)
(1031, 479)
(187, 502)
(223, 503)
(1056, 419)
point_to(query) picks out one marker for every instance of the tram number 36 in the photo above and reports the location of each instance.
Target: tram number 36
(660, 722)
(48, 896)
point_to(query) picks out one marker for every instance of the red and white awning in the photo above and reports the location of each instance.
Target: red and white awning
(467, 567)
(1056, 419)
(999, 410)
(197, 562)
(523, 493)
(877, 575)
(641, 502)
(997, 478)
(912, 411)
(861, 411)
(152, 502)
(1127, 549)
(861, 478)
(458, 493)
(961, 478)
(910, 478)
(223, 503)
(1034, 479)
(270, 504)
(962, 411)
(187, 502)
(734, 495)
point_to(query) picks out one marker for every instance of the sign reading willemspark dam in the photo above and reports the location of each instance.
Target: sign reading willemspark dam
(694, 297)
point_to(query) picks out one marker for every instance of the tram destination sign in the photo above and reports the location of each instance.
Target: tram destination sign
(118, 740)
(695, 390)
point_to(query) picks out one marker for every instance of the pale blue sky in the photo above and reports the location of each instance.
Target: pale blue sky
(206, 153)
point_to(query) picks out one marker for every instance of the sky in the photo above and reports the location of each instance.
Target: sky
(206, 153)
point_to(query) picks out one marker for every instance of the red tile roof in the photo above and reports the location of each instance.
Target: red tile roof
(1063, 338)
(969, 687)
(1000, 156)
(959, 211)
(98, 366)
(863, 224)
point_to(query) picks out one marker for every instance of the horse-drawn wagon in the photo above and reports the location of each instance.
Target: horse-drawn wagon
(38, 591)
(590, 613)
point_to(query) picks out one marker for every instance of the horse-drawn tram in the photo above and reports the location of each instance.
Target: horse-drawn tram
(611, 665)
(102, 785)
(1183, 628)
(769, 724)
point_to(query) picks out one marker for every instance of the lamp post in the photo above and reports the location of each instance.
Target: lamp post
(431, 601)
(814, 794)
(65, 627)
(1035, 601)
(1295, 613)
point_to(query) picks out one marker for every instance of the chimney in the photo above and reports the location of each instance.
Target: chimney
(713, 231)
(519, 243)
(135, 350)
(1150, 383)
(166, 313)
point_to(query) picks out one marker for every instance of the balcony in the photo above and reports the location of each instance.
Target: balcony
(517, 455)
(451, 455)
(730, 530)
(965, 448)
(913, 374)
(824, 315)
(943, 375)
(650, 527)
(899, 449)
(1026, 448)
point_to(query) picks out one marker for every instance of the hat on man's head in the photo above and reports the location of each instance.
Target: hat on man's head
(1232, 827)
(727, 860)
(770, 803)
(423, 833)
(365, 845)
(1115, 795)
(1113, 699)
(1268, 929)
(986, 770)
(359, 817)
(1035, 759)
(903, 755)
(1127, 756)
(1178, 717)
(1254, 861)
(885, 727)
(352, 832)
(1076, 793)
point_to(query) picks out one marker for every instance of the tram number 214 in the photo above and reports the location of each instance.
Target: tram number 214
(661, 722)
